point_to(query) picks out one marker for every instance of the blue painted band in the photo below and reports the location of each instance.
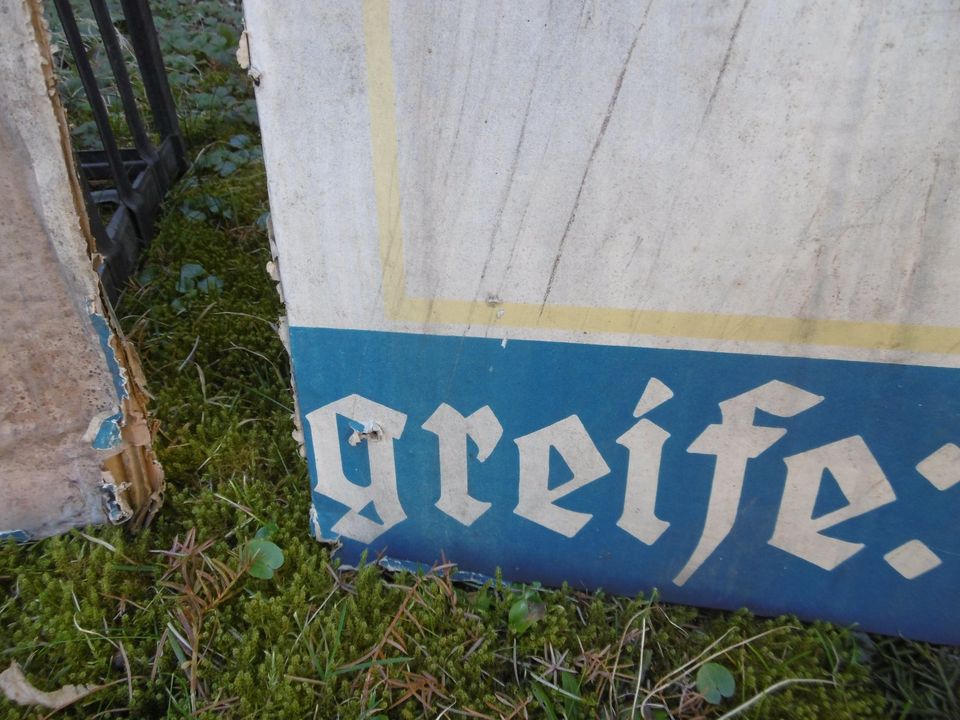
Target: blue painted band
(893, 416)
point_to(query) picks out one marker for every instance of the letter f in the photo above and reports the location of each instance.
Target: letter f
(734, 441)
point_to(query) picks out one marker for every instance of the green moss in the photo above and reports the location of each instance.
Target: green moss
(316, 641)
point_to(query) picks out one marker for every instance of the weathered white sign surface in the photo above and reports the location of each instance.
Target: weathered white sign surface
(74, 443)
(630, 294)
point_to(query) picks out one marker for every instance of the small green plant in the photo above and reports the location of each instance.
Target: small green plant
(201, 208)
(715, 682)
(261, 556)
(526, 610)
(194, 280)
(226, 158)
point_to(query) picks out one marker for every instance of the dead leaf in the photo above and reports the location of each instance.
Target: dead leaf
(17, 688)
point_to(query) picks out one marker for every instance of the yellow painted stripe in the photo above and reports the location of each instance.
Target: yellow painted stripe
(383, 129)
(743, 328)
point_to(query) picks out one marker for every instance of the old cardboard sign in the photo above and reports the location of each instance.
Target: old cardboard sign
(643, 295)
(75, 446)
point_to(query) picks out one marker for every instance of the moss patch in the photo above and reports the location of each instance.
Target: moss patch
(173, 625)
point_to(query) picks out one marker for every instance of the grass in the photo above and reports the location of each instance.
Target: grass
(172, 622)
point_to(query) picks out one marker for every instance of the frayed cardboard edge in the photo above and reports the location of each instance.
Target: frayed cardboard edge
(283, 330)
(132, 481)
(243, 58)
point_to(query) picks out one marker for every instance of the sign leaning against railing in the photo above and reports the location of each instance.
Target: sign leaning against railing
(633, 297)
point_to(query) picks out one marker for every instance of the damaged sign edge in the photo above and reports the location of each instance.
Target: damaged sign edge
(132, 480)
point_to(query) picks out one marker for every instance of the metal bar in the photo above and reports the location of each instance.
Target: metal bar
(143, 36)
(98, 172)
(97, 106)
(127, 185)
(94, 163)
(105, 197)
(111, 44)
(109, 246)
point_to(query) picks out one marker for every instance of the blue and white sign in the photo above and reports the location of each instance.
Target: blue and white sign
(631, 296)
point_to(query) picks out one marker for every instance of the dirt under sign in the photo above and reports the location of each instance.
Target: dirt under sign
(629, 295)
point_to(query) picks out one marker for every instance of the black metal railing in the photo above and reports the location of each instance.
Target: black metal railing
(124, 186)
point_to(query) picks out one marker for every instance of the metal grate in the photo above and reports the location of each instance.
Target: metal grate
(123, 187)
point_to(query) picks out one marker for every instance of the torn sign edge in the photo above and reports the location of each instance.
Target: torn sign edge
(283, 331)
(395, 565)
(132, 481)
(243, 57)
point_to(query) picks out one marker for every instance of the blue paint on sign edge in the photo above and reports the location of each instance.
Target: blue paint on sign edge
(109, 435)
(104, 333)
(18, 536)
